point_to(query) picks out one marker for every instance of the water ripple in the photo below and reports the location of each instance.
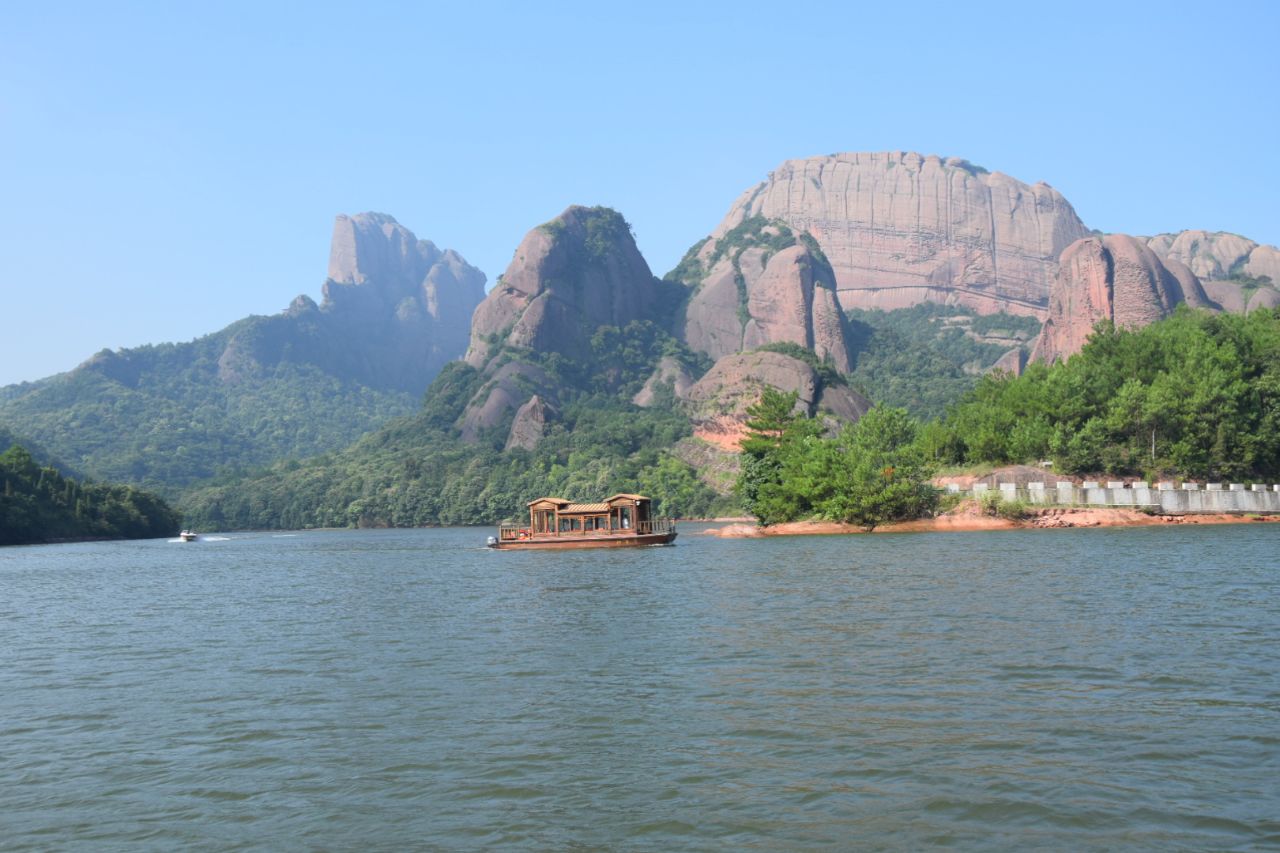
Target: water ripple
(400, 689)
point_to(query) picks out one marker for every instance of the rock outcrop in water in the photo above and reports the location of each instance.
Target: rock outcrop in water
(1116, 278)
(900, 228)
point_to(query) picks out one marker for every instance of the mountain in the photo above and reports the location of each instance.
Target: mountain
(901, 228)
(1116, 278)
(585, 373)
(580, 378)
(760, 284)
(1237, 273)
(1218, 255)
(579, 307)
(310, 379)
(569, 276)
(553, 324)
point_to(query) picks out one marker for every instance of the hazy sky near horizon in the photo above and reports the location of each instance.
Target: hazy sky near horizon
(167, 169)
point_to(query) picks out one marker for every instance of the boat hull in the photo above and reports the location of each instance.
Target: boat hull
(567, 542)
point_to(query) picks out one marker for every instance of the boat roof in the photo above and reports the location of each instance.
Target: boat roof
(583, 509)
(563, 505)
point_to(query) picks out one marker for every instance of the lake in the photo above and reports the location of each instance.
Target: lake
(393, 690)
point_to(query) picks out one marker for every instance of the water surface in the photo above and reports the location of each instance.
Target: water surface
(391, 690)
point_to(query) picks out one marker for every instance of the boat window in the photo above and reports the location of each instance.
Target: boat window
(625, 514)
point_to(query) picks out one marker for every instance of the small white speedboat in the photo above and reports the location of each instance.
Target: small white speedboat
(188, 536)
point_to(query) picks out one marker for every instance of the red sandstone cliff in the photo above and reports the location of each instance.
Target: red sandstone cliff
(900, 228)
(1115, 278)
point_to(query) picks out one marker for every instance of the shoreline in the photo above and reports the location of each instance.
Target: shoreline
(968, 519)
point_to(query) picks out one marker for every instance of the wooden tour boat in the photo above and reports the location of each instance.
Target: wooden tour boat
(619, 521)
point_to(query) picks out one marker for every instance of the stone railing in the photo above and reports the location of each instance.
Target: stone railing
(1167, 497)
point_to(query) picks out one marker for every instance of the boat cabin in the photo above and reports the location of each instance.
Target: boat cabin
(618, 514)
(620, 520)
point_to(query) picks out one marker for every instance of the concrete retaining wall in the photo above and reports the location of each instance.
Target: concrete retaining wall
(1164, 498)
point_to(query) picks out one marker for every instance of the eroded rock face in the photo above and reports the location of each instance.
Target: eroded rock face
(1264, 298)
(570, 276)
(757, 296)
(530, 424)
(1117, 278)
(395, 311)
(508, 388)
(900, 228)
(669, 370)
(717, 403)
(408, 299)
(1013, 361)
(1214, 255)
(1224, 262)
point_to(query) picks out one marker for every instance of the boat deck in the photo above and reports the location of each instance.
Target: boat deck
(656, 532)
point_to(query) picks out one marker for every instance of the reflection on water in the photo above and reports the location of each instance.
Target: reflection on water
(395, 689)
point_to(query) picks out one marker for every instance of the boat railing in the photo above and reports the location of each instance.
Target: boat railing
(656, 525)
(516, 532)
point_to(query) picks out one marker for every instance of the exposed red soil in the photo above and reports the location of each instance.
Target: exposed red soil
(969, 517)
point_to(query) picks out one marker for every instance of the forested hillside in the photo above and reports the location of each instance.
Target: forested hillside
(38, 504)
(309, 379)
(161, 417)
(926, 357)
(417, 471)
(1196, 395)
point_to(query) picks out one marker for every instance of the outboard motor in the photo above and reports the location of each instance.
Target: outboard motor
(493, 541)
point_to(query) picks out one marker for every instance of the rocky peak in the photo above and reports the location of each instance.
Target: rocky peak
(900, 228)
(1215, 255)
(569, 276)
(1237, 273)
(375, 246)
(1116, 278)
(759, 284)
(378, 265)
(395, 311)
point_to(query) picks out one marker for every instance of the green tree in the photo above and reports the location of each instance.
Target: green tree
(779, 438)
(878, 472)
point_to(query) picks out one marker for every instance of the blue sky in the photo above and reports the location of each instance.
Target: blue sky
(169, 168)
